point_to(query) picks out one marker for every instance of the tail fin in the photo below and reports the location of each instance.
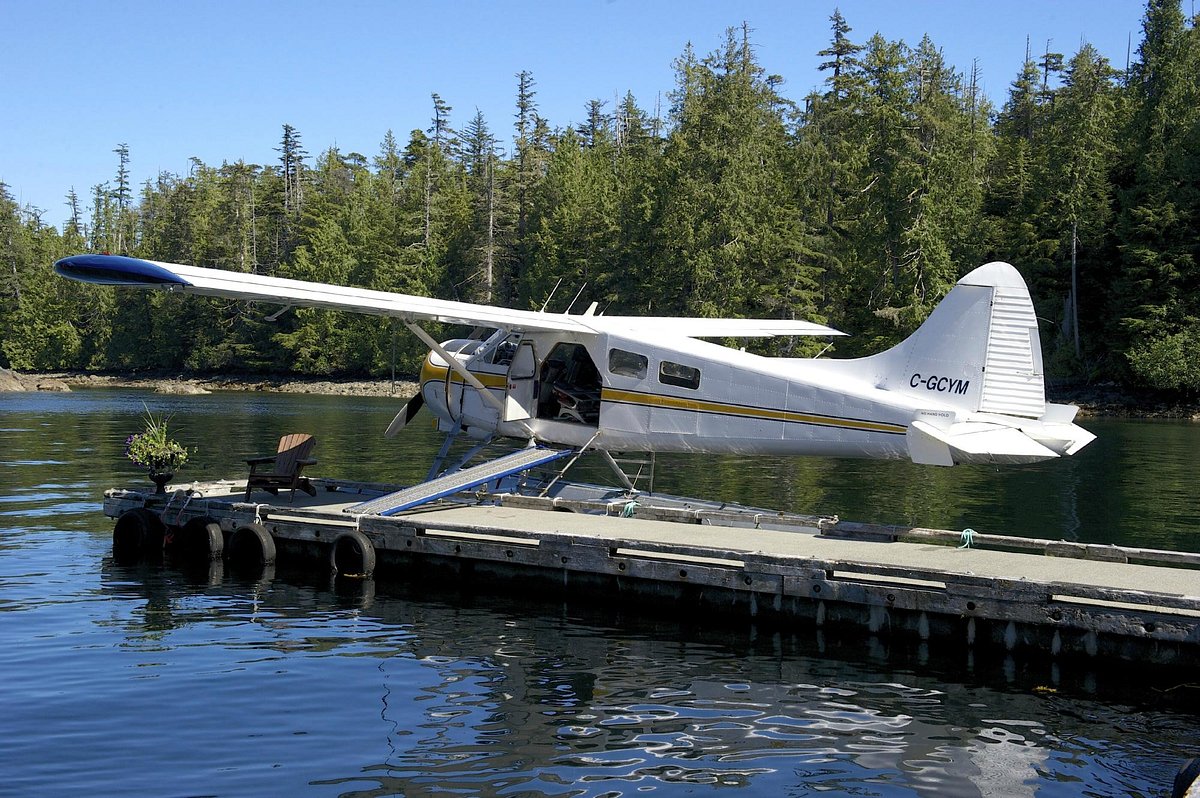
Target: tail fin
(973, 371)
(979, 351)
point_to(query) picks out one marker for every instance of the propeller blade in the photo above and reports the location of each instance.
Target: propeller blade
(405, 415)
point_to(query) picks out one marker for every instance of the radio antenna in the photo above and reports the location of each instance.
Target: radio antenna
(551, 294)
(576, 299)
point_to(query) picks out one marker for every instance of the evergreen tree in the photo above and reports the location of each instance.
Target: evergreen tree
(1082, 157)
(103, 222)
(831, 147)
(1019, 202)
(125, 219)
(576, 231)
(638, 182)
(439, 153)
(910, 211)
(595, 130)
(291, 200)
(74, 226)
(732, 243)
(482, 163)
(36, 332)
(532, 151)
(841, 58)
(1157, 294)
(12, 239)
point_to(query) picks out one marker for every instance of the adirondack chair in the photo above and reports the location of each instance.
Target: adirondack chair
(288, 462)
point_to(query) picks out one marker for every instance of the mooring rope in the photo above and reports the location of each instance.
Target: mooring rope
(186, 501)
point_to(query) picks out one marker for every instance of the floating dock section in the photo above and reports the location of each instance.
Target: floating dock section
(1052, 598)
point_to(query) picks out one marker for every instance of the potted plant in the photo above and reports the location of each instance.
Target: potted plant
(154, 450)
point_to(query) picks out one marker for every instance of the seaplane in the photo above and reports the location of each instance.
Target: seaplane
(966, 387)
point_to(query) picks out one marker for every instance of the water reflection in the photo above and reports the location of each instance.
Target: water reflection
(446, 693)
(143, 681)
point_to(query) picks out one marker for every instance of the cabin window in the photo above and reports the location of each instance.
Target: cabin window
(627, 364)
(463, 346)
(675, 374)
(504, 351)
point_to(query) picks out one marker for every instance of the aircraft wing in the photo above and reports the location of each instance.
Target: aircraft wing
(709, 328)
(123, 271)
(135, 272)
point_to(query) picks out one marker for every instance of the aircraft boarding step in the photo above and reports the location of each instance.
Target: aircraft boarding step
(407, 498)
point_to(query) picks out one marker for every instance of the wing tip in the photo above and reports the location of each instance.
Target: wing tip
(116, 270)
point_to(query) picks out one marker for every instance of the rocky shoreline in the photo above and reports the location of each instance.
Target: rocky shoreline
(1093, 400)
(1112, 401)
(66, 381)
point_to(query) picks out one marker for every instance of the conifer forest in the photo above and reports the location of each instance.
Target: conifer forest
(858, 206)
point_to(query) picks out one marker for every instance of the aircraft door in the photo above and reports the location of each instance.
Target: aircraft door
(522, 373)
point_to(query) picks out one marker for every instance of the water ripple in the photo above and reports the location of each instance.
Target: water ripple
(147, 681)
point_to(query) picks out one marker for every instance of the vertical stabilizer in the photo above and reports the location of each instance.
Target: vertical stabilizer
(978, 351)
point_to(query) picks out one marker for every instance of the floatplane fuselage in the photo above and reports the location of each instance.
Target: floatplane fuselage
(682, 395)
(966, 387)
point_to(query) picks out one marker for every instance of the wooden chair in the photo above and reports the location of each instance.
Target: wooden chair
(288, 462)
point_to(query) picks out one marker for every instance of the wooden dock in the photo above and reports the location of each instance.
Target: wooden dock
(1018, 595)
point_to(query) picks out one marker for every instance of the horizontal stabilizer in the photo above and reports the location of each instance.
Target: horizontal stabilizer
(927, 446)
(973, 442)
(1066, 439)
(1059, 414)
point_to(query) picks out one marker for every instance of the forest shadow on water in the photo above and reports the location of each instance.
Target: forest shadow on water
(151, 681)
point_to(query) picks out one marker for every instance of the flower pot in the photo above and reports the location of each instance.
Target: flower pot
(160, 480)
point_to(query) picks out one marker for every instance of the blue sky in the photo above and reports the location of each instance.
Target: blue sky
(218, 79)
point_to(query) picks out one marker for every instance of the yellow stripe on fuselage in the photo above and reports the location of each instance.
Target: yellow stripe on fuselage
(432, 373)
(744, 411)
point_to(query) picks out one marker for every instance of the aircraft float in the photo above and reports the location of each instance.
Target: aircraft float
(966, 387)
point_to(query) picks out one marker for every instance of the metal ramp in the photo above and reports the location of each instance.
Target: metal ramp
(407, 498)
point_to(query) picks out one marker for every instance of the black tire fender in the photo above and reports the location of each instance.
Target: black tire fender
(352, 554)
(137, 535)
(250, 545)
(198, 541)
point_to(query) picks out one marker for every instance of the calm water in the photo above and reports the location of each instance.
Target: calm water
(130, 681)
